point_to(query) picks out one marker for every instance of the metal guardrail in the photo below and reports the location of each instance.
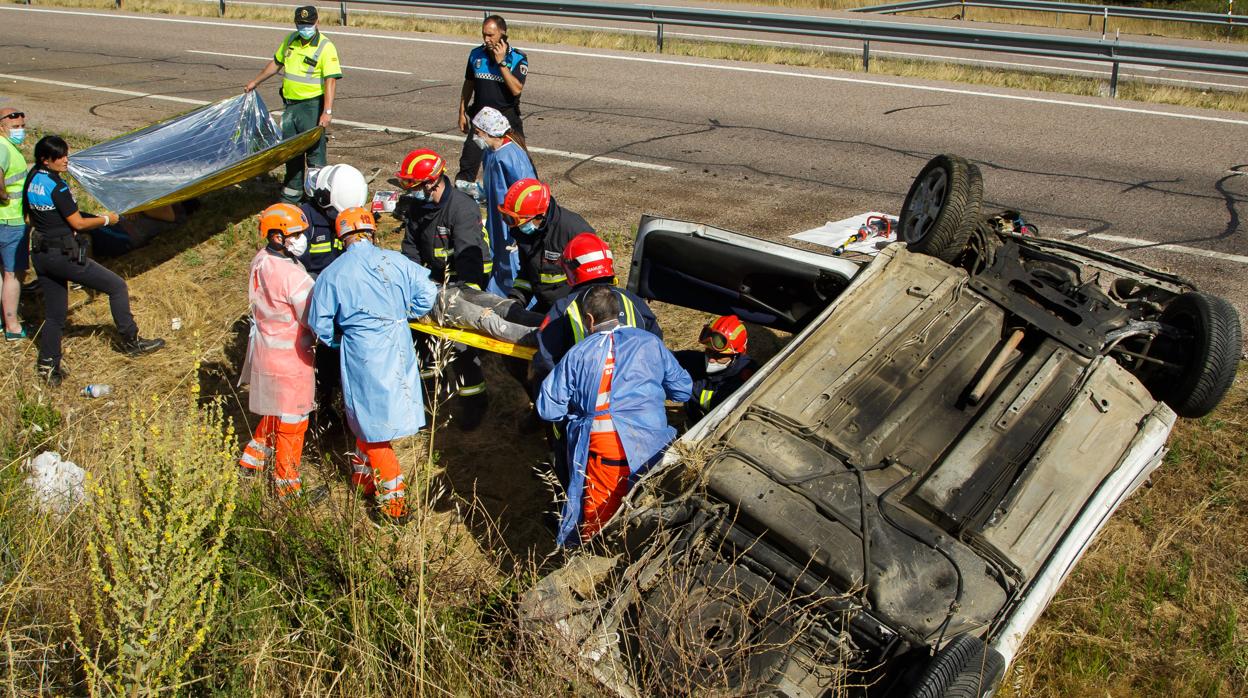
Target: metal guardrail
(1047, 45)
(1104, 11)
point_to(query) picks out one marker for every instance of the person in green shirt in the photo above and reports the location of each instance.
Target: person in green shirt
(310, 72)
(14, 244)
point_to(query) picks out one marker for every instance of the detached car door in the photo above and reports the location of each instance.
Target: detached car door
(718, 271)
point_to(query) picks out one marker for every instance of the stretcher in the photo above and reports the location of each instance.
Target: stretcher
(475, 339)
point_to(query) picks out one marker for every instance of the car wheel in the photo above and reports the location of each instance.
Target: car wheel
(942, 208)
(964, 662)
(1204, 353)
(713, 629)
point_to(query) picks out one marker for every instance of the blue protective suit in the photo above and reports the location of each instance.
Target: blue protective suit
(364, 300)
(646, 374)
(500, 169)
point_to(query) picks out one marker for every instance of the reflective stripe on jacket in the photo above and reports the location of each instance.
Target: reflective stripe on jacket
(306, 65)
(14, 178)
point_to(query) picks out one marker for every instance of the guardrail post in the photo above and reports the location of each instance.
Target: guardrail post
(866, 56)
(342, 12)
(1105, 24)
(118, 4)
(658, 37)
(1113, 81)
(220, 8)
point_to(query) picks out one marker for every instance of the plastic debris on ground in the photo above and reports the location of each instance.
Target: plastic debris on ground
(189, 155)
(57, 485)
(843, 235)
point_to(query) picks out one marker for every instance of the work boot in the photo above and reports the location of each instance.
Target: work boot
(50, 373)
(394, 511)
(139, 346)
(472, 410)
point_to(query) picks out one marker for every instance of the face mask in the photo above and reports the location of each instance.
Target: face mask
(527, 228)
(297, 245)
(712, 367)
(17, 135)
(307, 32)
(480, 142)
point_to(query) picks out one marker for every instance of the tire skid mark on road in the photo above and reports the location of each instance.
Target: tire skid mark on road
(364, 125)
(686, 64)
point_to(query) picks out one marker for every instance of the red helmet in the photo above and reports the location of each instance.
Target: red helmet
(355, 220)
(525, 199)
(587, 257)
(421, 166)
(725, 335)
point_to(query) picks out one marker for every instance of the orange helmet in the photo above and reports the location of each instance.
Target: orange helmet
(525, 199)
(585, 258)
(286, 219)
(354, 220)
(725, 335)
(421, 166)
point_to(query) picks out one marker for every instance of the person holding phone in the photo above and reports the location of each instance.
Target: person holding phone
(494, 78)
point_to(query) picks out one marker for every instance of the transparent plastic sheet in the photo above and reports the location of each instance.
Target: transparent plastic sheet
(187, 156)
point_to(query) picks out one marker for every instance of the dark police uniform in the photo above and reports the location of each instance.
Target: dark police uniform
(59, 259)
(489, 90)
(323, 245)
(540, 275)
(710, 389)
(448, 238)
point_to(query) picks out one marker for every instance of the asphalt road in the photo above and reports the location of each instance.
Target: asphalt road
(762, 149)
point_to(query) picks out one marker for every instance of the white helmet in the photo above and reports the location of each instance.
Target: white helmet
(338, 186)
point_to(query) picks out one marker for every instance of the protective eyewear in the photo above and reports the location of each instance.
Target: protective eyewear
(14, 115)
(717, 341)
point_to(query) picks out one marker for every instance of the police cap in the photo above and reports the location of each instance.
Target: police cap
(305, 14)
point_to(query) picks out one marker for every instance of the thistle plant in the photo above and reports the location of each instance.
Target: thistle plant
(162, 506)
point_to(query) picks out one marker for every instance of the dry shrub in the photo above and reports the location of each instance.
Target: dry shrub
(161, 510)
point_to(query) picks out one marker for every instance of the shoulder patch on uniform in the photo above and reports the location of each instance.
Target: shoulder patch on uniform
(524, 68)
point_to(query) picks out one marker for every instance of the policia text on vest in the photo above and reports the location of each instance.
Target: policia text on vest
(310, 71)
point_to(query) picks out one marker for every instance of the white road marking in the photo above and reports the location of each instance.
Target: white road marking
(1154, 245)
(265, 58)
(356, 124)
(687, 64)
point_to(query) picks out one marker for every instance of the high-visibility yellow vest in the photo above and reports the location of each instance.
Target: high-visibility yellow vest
(306, 65)
(578, 324)
(14, 177)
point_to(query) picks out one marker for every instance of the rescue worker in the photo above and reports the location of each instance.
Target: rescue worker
(720, 368)
(328, 191)
(506, 162)
(311, 71)
(362, 304)
(442, 230)
(14, 242)
(542, 229)
(494, 78)
(608, 392)
(588, 263)
(279, 352)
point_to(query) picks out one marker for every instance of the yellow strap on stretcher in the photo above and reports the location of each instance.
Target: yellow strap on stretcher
(476, 339)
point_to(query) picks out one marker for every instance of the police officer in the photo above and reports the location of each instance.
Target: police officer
(311, 71)
(720, 368)
(494, 78)
(541, 229)
(328, 192)
(442, 231)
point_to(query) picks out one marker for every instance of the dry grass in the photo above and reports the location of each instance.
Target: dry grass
(1136, 90)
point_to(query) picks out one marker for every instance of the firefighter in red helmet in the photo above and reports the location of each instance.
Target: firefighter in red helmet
(720, 368)
(541, 229)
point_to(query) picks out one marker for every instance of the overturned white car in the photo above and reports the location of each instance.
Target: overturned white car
(889, 504)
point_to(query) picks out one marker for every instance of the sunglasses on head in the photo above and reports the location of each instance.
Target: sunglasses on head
(14, 115)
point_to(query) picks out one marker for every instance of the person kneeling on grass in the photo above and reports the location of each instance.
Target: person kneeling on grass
(362, 303)
(279, 352)
(608, 392)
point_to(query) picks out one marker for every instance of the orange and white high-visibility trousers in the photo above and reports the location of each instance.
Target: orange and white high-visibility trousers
(281, 438)
(376, 471)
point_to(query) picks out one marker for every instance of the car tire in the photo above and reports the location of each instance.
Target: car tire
(942, 208)
(947, 666)
(979, 678)
(1209, 353)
